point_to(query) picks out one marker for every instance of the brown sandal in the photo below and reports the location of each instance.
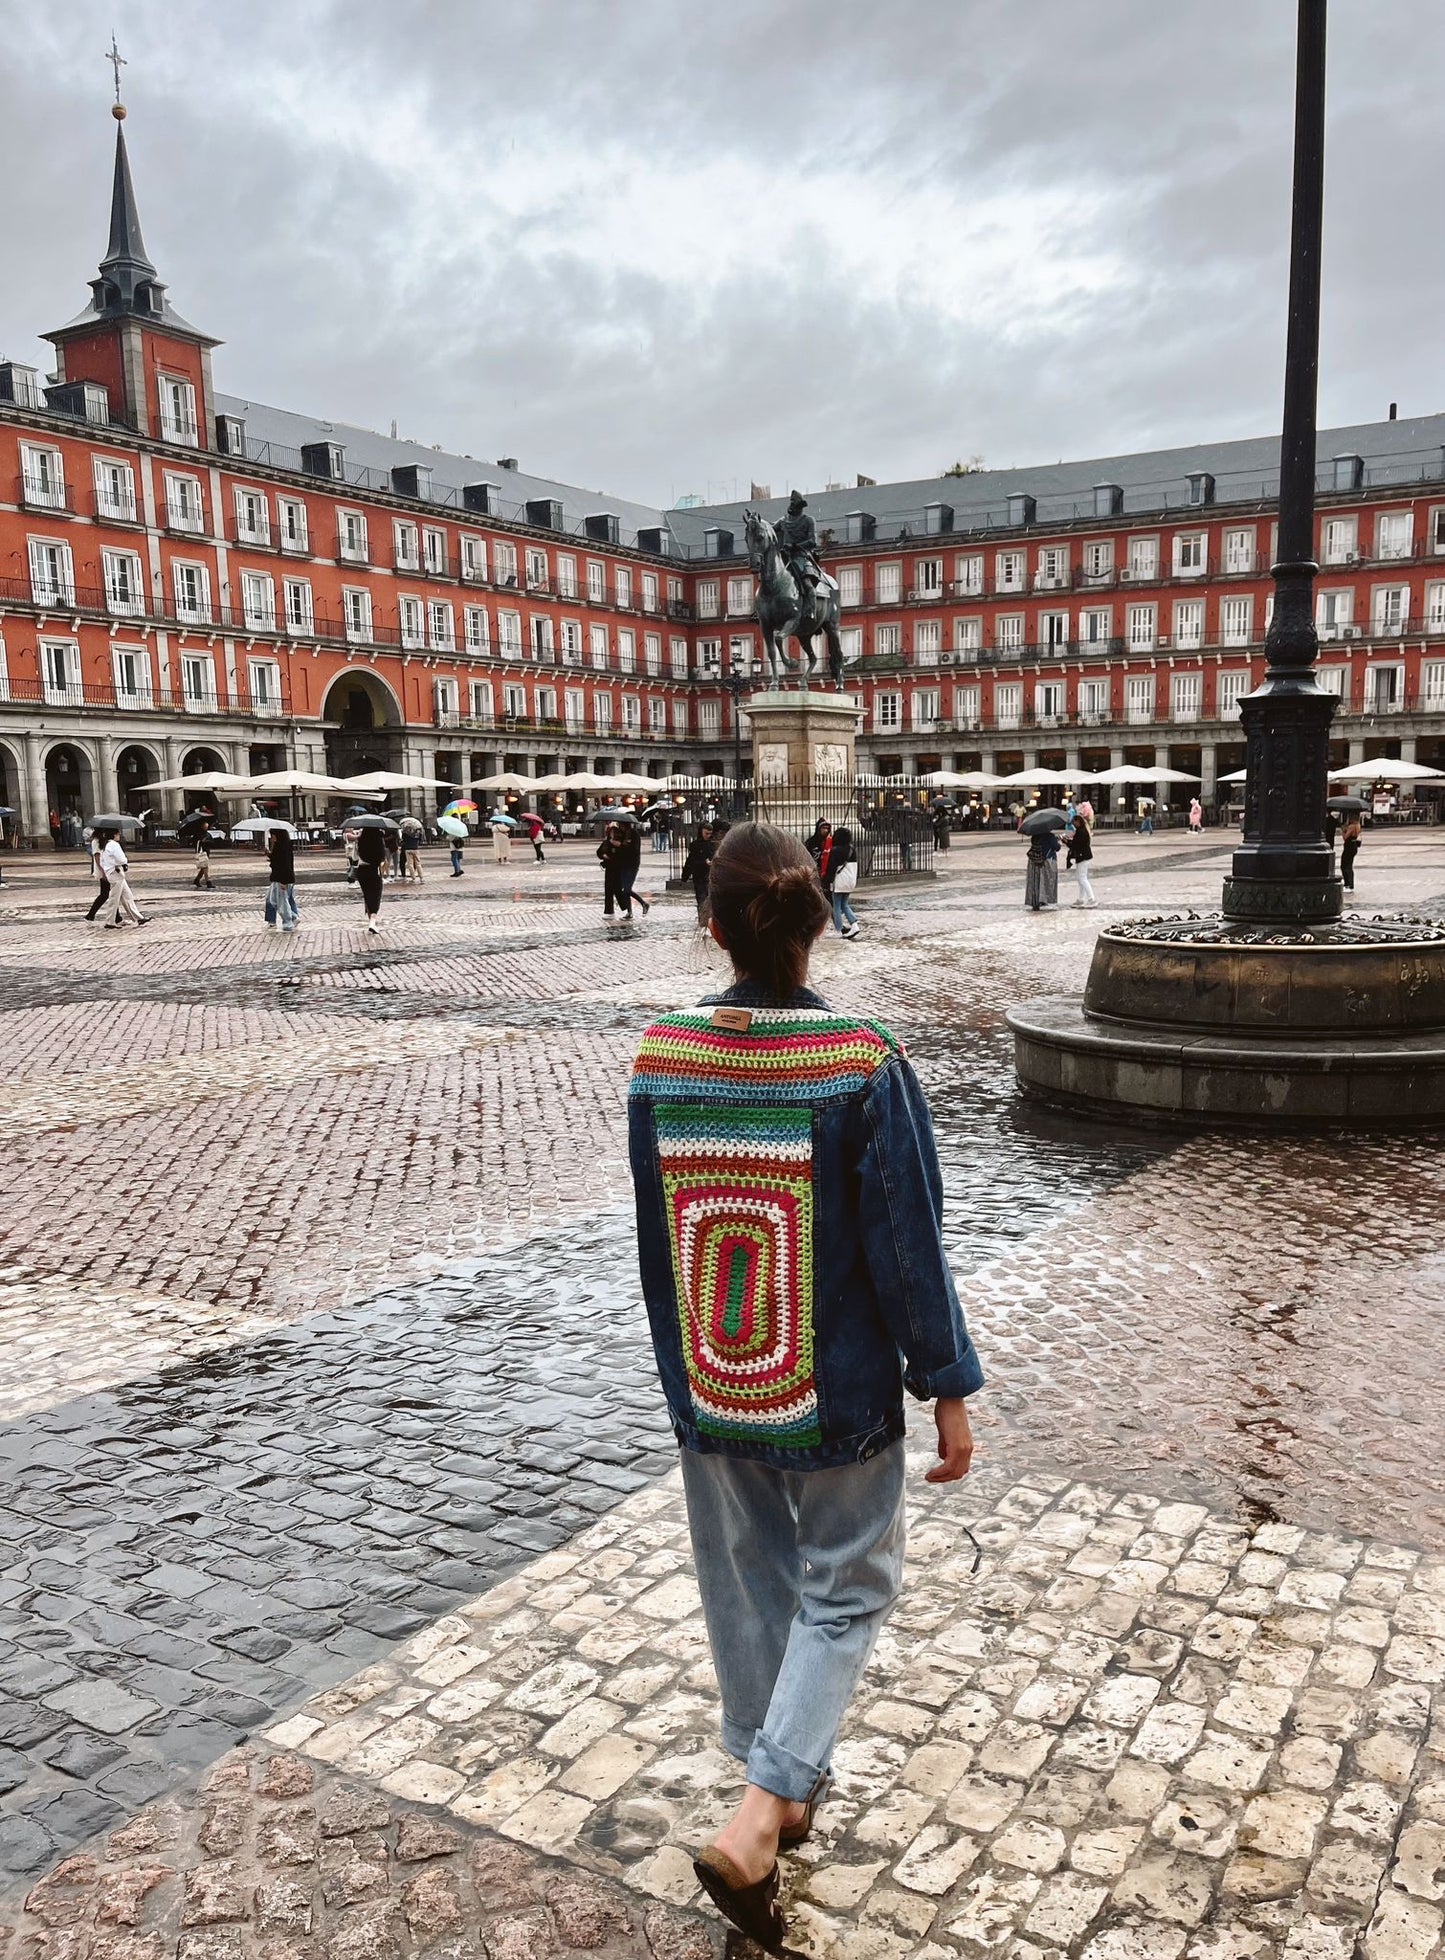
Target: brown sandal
(792, 1835)
(751, 1907)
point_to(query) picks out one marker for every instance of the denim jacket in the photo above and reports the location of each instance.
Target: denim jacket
(788, 1208)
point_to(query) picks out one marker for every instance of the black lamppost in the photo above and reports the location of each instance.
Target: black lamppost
(1284, 871)
(737, 684)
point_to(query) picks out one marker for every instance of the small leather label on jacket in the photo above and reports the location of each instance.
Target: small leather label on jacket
(738, 1019)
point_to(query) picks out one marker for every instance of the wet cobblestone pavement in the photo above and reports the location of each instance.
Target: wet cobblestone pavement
(345, 1607)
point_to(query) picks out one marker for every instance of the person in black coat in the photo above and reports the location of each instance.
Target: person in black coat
(370, 857)
(697, 867)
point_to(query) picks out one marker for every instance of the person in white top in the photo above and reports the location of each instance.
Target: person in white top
(114, 865)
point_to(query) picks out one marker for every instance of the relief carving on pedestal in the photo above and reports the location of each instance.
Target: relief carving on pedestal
(772, 759)
(830, 758)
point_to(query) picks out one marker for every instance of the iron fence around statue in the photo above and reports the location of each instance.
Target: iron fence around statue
(891, 821)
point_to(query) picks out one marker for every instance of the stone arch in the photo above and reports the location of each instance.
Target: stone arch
(364, 721)
(137, 765)
(70, 776)
(195, 760)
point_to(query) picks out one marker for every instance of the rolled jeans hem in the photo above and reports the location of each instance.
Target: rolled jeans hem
(787, 1776)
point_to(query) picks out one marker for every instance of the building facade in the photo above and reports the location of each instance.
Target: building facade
(194, 581)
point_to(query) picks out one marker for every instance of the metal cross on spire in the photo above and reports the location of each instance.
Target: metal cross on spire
(117, 61)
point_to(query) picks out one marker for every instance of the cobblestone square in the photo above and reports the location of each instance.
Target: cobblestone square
(346, 1607)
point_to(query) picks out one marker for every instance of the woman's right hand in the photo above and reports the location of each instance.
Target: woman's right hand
(955, 1441)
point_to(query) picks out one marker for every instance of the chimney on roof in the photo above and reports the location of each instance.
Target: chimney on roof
(1394, 410)
(506, 462)
(866, 483)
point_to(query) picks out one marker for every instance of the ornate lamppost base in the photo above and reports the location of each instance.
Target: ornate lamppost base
(1296, 901)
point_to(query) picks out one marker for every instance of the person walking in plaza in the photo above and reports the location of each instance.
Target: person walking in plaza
(370, 856)
(281, 910)
(115, 866)
(789, 1206)
(1041, 882)
(500, 825)
(1350, 838)
(697, 864)
(1196, 817)
(535, 829)
(609, 855)
(842, 879)
(96, 844)
(412, 838)
(629, 864)
(1079, 837)
(202, 879)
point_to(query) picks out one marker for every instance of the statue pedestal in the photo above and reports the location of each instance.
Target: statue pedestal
(802, 734)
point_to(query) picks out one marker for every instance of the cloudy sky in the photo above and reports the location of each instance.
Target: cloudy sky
(658, 248)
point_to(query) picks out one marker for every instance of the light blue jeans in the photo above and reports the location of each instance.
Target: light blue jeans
(798, 1570)
(281, 900)
(843, 913)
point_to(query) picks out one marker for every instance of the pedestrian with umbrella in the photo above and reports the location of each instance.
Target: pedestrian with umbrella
(114, 865)
(501, 827)
(195, 830)
(370, 857)
(1041, 884)
(455, 832)
(535, 829)
(1078, 834)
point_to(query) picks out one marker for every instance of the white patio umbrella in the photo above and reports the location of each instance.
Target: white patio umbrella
(967, 779)
(1039, 779)
(1386, 769)
(384, 779)
(509, 779)
(258, 826)
(305, 782)
(1234, 776)
(1142, 772)
(220, 782)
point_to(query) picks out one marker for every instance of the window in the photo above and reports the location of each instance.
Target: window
(474, 560)
(626, 650)
(928, 578)
(1394, 534)
(300, 613)
(967, 706)
(632, 713)
(888, 710)
(1239, 550)
(504, 563)
(927, 641)
(1334, 611)
(709, 659)
(1050, 703)
(622, 587)
(1384, 690)
(409, 620)
(649, 592)
(480, 705)
(291, 524)
(657, 716)
(258, 600)
(850, 585)
(1340, 545)
(1143, 558)
(888, 641)
(597, 646)
(850, 639)
(740, 596)
(1392, 608)
(1099, 559)
(178, 409)
(926, 704)
(122, 582)
(474, 621)
(1140, 628)
(1336, 681)
(1435, 608)
(1189, 622)
(131, 669)
(1230, 689)
(114, 490)
(679, 720)
(574, 708)
(888, 584)
(193, 594)
(1190, 554)
(968, 575)
(1432, 685)
(1053, 565)
(1139, 697)
(509, 634)
(446, 696)
(198, 681)
(1008, 632)
(253, 517)
(571, 642)
(1094, 701)
(514, 701)
(434, 551)
(406, 545)
(1054, 631)
(1236, 621)
(356, 611)
(184, 509)
(1008, 571)
(678, 657)
(1008, 703)
(597, 586)
(351, 536)
(967, 638)
(1185, 694)
(652, 652)
(42, 476)
(1096, 626)
(264, 680)
(541, 630)
(52, 573)
(60, 672)
(602, 712)
(708, 594)
(536, 570)
(740, 654)
(1437, 530)
(441, 626)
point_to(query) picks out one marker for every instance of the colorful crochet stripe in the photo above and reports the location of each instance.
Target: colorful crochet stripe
(738, 1187)
(788, 1055)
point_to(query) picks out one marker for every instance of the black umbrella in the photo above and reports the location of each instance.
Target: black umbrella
(618, 816)
(192, 818)
(1038, 821)
(370, 823)
(1346, 806)
(113, 821)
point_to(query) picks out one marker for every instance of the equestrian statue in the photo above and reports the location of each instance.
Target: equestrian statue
(796, 599)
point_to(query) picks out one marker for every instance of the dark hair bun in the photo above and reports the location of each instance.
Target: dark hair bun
(768, 904)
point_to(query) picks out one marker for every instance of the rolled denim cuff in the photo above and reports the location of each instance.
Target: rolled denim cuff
(776, 1769)
(961, 1377)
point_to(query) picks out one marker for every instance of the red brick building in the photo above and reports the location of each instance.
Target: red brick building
(191, 580)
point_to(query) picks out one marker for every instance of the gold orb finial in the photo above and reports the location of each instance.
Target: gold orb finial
(117, 109)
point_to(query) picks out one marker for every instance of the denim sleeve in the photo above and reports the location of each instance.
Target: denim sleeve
(902, 1212)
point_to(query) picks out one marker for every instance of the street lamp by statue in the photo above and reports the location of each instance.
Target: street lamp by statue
(1284, 870)
(737, 684)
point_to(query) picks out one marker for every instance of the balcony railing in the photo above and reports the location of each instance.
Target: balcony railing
(106, 696)
(108, 510)
(44, 493)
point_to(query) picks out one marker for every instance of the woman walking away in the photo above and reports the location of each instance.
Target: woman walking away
(609, 854)
(788, 1210)
(115, 866)
(534, 827)
(1041, 886)
(500, 825)
(841, 880)
(457, 844)
(1350, 849)
(202, 879)
(98, 841)
(370, 856)
(697, 864)
(281, 909)
(1196, 816)
(628, 865)
(1080, 839)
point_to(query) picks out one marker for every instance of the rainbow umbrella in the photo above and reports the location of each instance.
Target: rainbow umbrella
(460, 806)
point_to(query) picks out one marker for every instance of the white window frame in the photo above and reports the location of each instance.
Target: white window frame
(357, 614)
(473, 552)
(888, 582)
(1094, 700)
(1186, 695)
(122, 508)
(677, 660)
(1230, 687)
(118, 569)
(1140, 699)
(1051, 703)
(52, 572)
(1394, 534)
(1141, 628)
(1008, 632)
(887, 640)
(888, 709)
(509, 635)
(138, 693)
(441, 626)
(481, 702)
(42, 476)
(1009, 572)
(968, 575)
(293, 528)
(622, 587)
(1340, 540)
(1432, 686)
(1189, 623)
(504, 564)
(740, 597)
(202, 700)
(178, 409)
(602, 712)
(434, 551)
(1240, 549)
(410, 621)
(258, 600)
(1191, 554)
(598, 649)
(596, 582)
(1098, 560)
(928, 578)
(1052, 567)
(1236, 619)
(1143, 559)
(709, 598)
(1377, 672)
(1008, 704)
(476, 629)
(650, 590)
(446, 701)
(405, 545)
(263, 686)
(185, 504)
(928, 642)
(566, 576)
(253, 515)
(300, 605)
(850, 585)
(352, 540)
(968, 636)
(60, 677)
(1390, 610)
(191, 584)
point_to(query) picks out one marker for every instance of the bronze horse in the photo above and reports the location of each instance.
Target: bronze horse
(784, 610)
